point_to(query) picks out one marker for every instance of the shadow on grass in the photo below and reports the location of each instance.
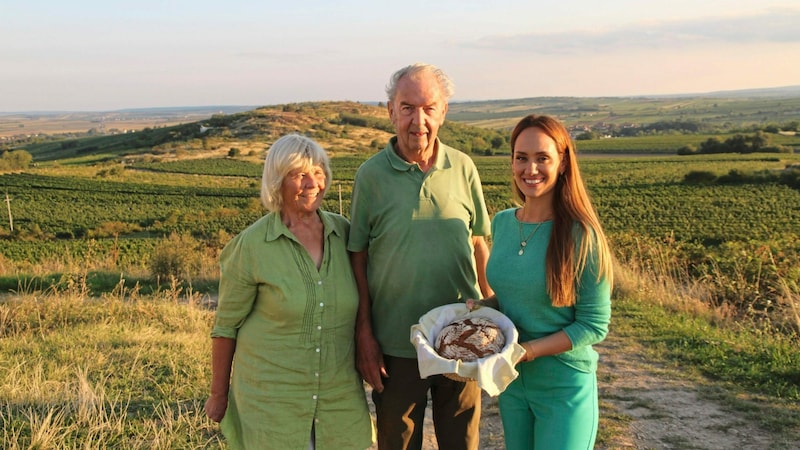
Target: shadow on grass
(98, 283)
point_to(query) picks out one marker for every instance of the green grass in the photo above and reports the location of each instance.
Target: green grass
(741, 354)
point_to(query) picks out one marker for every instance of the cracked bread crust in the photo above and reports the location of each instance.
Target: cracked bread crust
(469, 339)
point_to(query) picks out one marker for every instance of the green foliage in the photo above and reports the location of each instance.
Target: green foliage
(57, 204)
(700, 177)
(111, 172)
(745, 357)
(15, 160)
(472, 139)
(176, 257)
(205, 166)
(110, 147)
(702, 204)
(788, 177)
(758, 142)
(359, 120)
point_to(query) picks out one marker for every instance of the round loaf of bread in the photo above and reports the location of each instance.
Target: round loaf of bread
(469, 339)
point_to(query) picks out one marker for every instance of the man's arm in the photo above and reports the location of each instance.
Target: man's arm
(481, 258)
(369, 358)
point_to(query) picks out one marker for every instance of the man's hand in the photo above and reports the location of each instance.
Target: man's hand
(490, 302)
(369, 360)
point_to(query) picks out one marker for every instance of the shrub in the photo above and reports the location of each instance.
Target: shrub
(15, 160)
(699, 177)
(177, 257)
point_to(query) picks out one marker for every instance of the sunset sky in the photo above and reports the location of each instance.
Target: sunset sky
(109, 55)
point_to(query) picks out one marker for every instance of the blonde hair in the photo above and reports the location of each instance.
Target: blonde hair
(571, 206)
(288, 153)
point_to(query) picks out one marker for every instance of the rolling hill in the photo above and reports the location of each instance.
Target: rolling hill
(341, 127)
(351, 127)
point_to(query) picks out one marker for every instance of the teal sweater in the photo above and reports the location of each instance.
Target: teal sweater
(520, 286)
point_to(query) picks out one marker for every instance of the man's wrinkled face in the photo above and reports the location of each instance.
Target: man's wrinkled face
(417, 111)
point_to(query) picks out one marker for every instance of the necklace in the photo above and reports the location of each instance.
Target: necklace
(524, 242)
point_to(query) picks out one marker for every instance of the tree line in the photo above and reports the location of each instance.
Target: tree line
(759, 142)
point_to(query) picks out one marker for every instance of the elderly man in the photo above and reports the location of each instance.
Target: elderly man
(417, 241)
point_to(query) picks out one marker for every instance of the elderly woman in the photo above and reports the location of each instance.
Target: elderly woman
(283, 367)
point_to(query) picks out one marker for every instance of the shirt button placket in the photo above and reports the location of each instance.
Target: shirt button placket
(319, 340)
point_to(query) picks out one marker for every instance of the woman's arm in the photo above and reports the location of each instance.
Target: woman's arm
(222, 350)
(549, 345)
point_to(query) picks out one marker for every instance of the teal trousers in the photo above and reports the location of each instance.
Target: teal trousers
(550, 406)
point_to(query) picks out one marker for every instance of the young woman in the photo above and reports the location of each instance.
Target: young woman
(551, 270)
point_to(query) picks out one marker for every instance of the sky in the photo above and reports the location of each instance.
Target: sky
(108, 55)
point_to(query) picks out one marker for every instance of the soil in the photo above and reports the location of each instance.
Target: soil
(665, 409)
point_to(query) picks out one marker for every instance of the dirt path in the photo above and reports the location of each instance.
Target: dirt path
(666, 410)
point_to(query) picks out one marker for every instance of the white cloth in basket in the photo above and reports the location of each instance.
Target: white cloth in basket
(493, 373)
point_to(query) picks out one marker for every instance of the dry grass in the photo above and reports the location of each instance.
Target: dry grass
(120, 371)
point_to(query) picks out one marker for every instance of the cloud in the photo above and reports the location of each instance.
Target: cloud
(774, 26)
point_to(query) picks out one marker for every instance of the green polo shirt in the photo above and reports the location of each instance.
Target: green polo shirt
(417, 229)
(294, 364)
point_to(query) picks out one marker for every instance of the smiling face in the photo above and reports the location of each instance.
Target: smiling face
(536, 164)
(417, 111)
(303, 189)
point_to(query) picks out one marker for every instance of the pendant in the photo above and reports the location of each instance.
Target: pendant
(521, 251)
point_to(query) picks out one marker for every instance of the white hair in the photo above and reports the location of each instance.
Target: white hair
(446, 85)
(288, 153)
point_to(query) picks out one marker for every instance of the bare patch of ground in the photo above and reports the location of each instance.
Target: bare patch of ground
(668, 410)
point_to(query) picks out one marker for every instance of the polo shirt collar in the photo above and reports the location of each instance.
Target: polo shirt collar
(276, 228)
(400, 164)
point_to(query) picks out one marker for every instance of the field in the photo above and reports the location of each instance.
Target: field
(80, 123)
(64, 214)
(724, 112)
(110, 246)
(89, 360)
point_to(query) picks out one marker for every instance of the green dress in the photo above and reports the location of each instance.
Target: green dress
(294, 364)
